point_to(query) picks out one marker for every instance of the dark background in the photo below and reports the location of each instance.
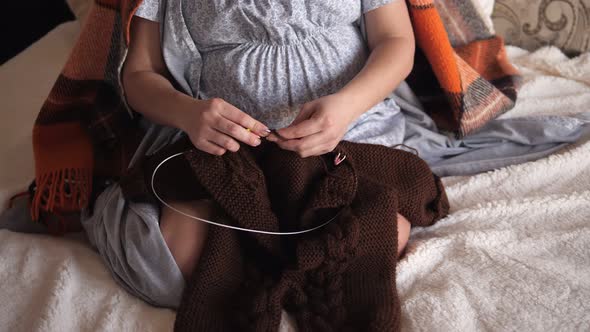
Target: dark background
(22, 22)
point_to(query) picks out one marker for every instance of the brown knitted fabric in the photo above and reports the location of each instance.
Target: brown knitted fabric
(338, 278)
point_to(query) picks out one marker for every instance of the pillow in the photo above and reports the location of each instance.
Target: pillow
(535, 23)
(80, 8)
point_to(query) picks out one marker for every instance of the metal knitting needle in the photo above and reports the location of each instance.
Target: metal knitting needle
(224, 225)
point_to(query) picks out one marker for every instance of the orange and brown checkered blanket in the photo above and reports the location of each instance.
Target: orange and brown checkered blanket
(461, 73)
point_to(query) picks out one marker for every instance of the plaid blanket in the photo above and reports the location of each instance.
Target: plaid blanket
(85, 130)
(461, 73)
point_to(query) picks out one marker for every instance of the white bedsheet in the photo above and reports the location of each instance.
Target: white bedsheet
(514, 254)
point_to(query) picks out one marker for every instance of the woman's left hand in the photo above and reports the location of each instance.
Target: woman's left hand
(319, 126)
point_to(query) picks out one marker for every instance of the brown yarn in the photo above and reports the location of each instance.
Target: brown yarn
(338, 278)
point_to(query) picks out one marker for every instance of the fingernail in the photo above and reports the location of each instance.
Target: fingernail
(257, 142)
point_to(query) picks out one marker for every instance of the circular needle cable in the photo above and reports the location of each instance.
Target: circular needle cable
(224, 225)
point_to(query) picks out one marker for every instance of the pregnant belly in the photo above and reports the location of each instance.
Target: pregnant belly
(270, 81)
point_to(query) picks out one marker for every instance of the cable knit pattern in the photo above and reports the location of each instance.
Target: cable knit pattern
(338, 278)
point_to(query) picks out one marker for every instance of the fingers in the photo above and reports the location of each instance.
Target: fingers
(305, 113)
(303, 125)
(219, 127)
(209, 147)
(305, 128)
(231, 129)
(235, 115)
(274, 137)
(224, 141)
(216, 143)
(313, 145)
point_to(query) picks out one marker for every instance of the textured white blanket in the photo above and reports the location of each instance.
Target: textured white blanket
(514, 254)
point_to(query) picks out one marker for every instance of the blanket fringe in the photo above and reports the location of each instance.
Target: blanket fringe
(62, 190)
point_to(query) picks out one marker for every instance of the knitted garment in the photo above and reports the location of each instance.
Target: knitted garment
(338, 278)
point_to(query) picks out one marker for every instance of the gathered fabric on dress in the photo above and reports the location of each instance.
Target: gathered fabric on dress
(270, 58)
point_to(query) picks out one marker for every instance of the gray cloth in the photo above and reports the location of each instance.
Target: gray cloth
(17, 218)
(500, 143)
(128, 237)
(265, 58)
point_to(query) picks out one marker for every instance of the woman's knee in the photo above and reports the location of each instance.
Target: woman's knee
(403, 233)
(185, 236)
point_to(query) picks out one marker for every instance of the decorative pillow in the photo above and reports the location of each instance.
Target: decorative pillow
(535, 23)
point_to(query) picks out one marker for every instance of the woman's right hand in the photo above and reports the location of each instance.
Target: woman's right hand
(215, 126)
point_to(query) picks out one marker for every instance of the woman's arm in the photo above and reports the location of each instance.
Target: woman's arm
(391, 41)
(146, 79)
(214, 125)
(322, 123)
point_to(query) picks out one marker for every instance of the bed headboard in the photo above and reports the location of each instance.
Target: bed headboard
(535, 23)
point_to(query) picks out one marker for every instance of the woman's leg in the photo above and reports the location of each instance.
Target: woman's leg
(185, 236)
(128, 237)
(403, 233)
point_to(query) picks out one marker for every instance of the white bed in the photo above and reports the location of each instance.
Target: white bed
(514, 254)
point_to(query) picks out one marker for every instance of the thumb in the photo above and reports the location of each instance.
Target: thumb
(305, 113)
(303, 124)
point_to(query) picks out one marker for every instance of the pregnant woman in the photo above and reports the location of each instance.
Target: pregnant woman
(227, 73)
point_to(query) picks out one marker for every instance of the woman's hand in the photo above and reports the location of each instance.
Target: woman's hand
(215, 126)
(322, 123)
(319, 126)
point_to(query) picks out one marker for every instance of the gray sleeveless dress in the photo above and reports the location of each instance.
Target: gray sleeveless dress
(265, 57)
